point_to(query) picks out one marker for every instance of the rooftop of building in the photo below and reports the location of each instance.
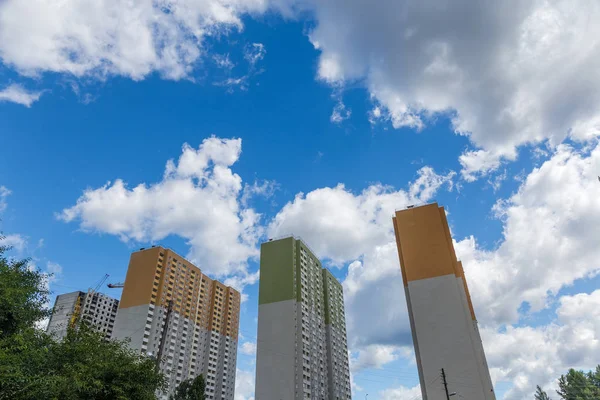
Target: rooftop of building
(417, 205)
(299, 238)
(186, 260)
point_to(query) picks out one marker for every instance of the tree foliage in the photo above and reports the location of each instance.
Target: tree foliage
(576, 385)
(190, 389)
(541, 395)
(81, 366)
(23, 295)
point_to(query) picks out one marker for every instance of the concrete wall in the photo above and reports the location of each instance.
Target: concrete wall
(275, 351)
(444, 333)
(484, 375)
(130, 324)
(61, 314)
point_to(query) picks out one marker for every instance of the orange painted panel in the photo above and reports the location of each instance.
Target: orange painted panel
(139, 279)
(424, 250)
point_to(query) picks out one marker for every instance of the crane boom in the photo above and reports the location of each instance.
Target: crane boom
(118, 285)
(94, 290)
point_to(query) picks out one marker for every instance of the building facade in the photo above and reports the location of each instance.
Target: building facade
(301, 348)
(442, 318)
(171, 310)
(98, 310)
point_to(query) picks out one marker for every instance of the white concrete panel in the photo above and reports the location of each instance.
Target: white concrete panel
(275, 351)
(130, 324)
(484, 375)
(61, 315)
(415, 343)
(443, 334)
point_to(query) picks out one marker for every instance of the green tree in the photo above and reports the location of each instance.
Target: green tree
(190, 389)
(541, 395)
(575, 385)
(82, 366)
(23, 294)
(594, 378)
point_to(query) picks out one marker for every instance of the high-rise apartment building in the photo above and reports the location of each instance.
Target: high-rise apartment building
(171, 310)
(301, 348)
(96, 309)
(442, 319)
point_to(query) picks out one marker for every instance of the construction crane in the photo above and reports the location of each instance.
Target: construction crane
(76, 315)
(118, 285)
(95, 289)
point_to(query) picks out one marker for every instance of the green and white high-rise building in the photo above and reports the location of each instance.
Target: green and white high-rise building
(301, 348)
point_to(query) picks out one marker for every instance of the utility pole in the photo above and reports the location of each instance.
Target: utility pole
(445, 384)
(164, 333)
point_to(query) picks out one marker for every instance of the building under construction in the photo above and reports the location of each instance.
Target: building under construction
(71, 309)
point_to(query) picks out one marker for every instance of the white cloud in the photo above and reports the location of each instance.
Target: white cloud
(340, 113)
(197, 199)
(401, 393)
(530, 356)
(551, 226)
(52, 273)
(240, 281)
(55, 270)
(248, 348)
(231, 83)
(16, 93)
(507, 73)
(16, 241)
(496, 181)
(116, 37)
(377, 272)
(340, 225)
(477, 163)
(264, 189)
(244, 385)
(4, 193)
(254, 53)
(374, 356)
(223, 61)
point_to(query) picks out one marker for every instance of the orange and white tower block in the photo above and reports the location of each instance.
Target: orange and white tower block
(442, 319)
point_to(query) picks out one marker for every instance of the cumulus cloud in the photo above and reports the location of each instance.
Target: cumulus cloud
(15, 241)
(248, 348)
(102, 38)
(341, 225)
(530, 356)
(244, 385)
(240, 281)
(197, 199)
(378, 271)
(506, 73)
(374, 356)
(16, 93)
(551, 226)
(401, 393)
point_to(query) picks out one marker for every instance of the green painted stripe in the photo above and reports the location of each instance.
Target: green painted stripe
(276, 271)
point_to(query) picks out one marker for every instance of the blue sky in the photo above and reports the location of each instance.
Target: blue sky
(317, 119)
